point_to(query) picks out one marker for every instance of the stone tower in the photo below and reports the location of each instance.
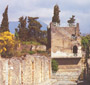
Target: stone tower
(56, 22)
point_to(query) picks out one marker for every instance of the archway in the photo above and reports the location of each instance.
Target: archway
(75, 50)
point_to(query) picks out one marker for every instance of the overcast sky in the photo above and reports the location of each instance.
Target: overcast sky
(44, 10)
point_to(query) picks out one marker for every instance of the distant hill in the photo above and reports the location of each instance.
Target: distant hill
(14, 24)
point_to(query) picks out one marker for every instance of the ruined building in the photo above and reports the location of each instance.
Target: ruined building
(65, 44)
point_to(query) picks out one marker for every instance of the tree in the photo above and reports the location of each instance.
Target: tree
(34, 28)
(5, 23)
(71, 21)
(86, 44)
(23, 31)
(16, 34)
(32, 32)
(56, 14)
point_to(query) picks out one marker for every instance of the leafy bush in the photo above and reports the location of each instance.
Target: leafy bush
(7, 44)
(18, 54)
(24, 51)
(54, 65)
(31, 52)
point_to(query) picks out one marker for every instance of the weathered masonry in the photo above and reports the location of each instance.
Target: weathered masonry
(65, 44)
(29, 70)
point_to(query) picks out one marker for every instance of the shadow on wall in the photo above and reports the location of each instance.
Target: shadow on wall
(67, 61)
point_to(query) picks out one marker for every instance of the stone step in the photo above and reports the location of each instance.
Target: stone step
(69, 67)
(67, 75)
(75, 77)
(63, 74)
(68, 70)
(68, 79)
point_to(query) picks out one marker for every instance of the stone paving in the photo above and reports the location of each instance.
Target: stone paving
(64, 83)
(84, 83)
(55, 82)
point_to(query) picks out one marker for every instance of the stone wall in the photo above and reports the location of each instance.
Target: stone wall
(63, 39)
(31, 47)
(28, 70)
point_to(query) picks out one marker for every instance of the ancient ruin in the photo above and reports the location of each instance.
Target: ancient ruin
(65, 44)
(33, 63)
(28, 70)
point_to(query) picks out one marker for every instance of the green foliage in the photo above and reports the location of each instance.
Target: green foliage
(41, 51)
(23, 31)
(31, 52)
(18, 54)
(54, 65)
(86, 44)
(71, 21)
(30, 42)
(7, 44)
(32, 32)
(5, 23)
(24, 51)
(55, 18)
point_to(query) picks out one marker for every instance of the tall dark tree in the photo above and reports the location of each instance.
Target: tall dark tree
(5, 23)
(56, 14)
(22, 29)
(34, 27)
(43, 37)
(32, 32)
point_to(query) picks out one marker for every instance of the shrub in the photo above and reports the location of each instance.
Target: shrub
(43, 53)
(18, 54)
(31, 52)
(7, 44)
(24, 51)
(54, 65)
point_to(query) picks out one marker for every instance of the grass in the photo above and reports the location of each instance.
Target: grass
(31, 52)
(30, 42)
(41, 51)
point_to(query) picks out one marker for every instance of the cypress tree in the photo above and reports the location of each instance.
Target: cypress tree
(23, 31)
(5, 23)
(55, 18)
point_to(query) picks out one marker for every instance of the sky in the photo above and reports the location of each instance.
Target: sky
(44, 10)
